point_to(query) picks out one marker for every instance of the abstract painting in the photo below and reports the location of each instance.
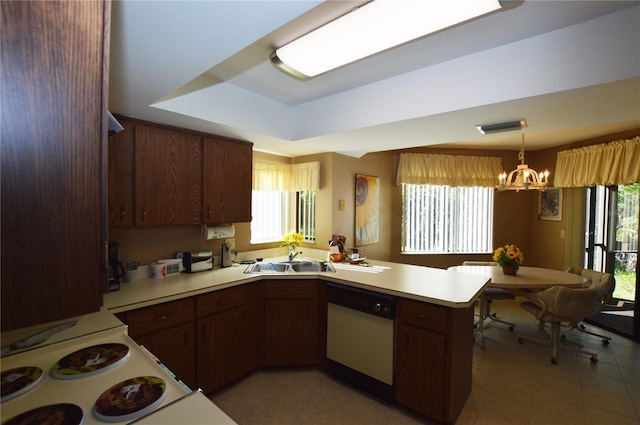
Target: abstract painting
(550, 204)
(367, 210)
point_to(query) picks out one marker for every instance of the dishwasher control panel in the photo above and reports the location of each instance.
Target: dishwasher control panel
(375, 303)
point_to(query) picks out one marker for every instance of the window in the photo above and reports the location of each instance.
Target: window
(276, 213)
(284, 200)
(446, 220)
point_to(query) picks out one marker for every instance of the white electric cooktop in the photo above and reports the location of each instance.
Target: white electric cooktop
(100, 378)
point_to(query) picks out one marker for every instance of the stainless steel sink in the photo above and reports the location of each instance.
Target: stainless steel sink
(285, 266)
(313, 267)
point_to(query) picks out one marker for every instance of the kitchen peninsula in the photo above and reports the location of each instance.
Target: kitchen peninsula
(243, 322)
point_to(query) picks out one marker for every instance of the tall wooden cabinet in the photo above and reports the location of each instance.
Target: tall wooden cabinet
(53, 152)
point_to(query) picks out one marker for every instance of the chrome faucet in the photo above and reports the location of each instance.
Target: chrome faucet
(292, 255)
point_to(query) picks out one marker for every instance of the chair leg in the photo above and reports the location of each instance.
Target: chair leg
(555, 339)
(494, 316)
(479, 324)
(484, 312)
(580, 327)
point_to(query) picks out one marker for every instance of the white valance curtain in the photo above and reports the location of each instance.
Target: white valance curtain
(599, 165)
(448, 170)
(286, 177)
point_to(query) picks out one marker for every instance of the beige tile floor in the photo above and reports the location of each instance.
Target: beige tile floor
(512, 384)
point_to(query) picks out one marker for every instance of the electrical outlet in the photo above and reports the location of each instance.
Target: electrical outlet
(231, 242)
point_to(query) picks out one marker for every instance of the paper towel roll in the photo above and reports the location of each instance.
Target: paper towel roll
(218, 232)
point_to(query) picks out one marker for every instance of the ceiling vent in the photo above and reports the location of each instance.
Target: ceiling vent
(503, 126)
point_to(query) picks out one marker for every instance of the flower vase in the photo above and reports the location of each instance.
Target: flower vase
(510, 269)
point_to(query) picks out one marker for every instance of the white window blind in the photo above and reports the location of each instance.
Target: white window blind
(446, 220)
(307, 214)
(270, 215)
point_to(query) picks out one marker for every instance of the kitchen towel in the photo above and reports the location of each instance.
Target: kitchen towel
(218, 232)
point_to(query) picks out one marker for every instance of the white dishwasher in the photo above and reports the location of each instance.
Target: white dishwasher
(360, 338)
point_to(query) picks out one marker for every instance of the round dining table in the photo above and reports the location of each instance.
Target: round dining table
(534, 278)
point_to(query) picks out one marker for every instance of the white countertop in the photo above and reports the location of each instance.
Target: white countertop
(435, 286)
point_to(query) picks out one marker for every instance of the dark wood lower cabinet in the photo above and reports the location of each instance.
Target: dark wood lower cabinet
(291, 323)
(229, 335)
(168, 331)
(434, 349)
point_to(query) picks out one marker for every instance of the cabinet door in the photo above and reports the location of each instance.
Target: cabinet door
(291, 323)
(53, 131)
(420, 370)
(167, 176)
(229, 334)
(175, 347)
(121, 183)
(168, 331)
(222, 348)
(226, 181)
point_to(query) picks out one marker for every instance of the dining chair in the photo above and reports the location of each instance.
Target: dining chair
(606, 282)
(488, 296)
(557, 305)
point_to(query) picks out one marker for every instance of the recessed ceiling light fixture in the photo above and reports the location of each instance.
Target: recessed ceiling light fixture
(503, 126)
(376, 26)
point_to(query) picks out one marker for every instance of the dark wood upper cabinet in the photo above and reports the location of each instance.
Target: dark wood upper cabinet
(54, 134)
(168, 176)
(226, 181)
(121, 175)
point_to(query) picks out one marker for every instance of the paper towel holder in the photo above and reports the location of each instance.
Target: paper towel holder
(218, 232)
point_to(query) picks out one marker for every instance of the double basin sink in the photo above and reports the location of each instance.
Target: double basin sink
(299, 266)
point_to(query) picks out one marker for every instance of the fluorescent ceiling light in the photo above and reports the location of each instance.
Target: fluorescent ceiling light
(372, 28)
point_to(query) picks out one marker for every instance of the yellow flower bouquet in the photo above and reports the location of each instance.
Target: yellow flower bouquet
(292, 240)
(508, 255)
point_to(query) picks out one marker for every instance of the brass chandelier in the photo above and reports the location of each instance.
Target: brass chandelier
(523, 177)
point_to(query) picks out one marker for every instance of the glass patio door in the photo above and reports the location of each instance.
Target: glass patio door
(612, 247)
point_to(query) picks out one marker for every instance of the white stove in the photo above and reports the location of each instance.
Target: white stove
(83, 392)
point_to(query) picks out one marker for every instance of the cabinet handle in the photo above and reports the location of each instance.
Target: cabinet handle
(163, 317)
(121, 212)
(144, 214)
(209, 212)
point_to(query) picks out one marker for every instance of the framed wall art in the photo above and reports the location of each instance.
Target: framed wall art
(550, 204)
(367, 210)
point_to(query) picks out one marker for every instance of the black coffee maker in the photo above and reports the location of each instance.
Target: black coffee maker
(116, 268)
